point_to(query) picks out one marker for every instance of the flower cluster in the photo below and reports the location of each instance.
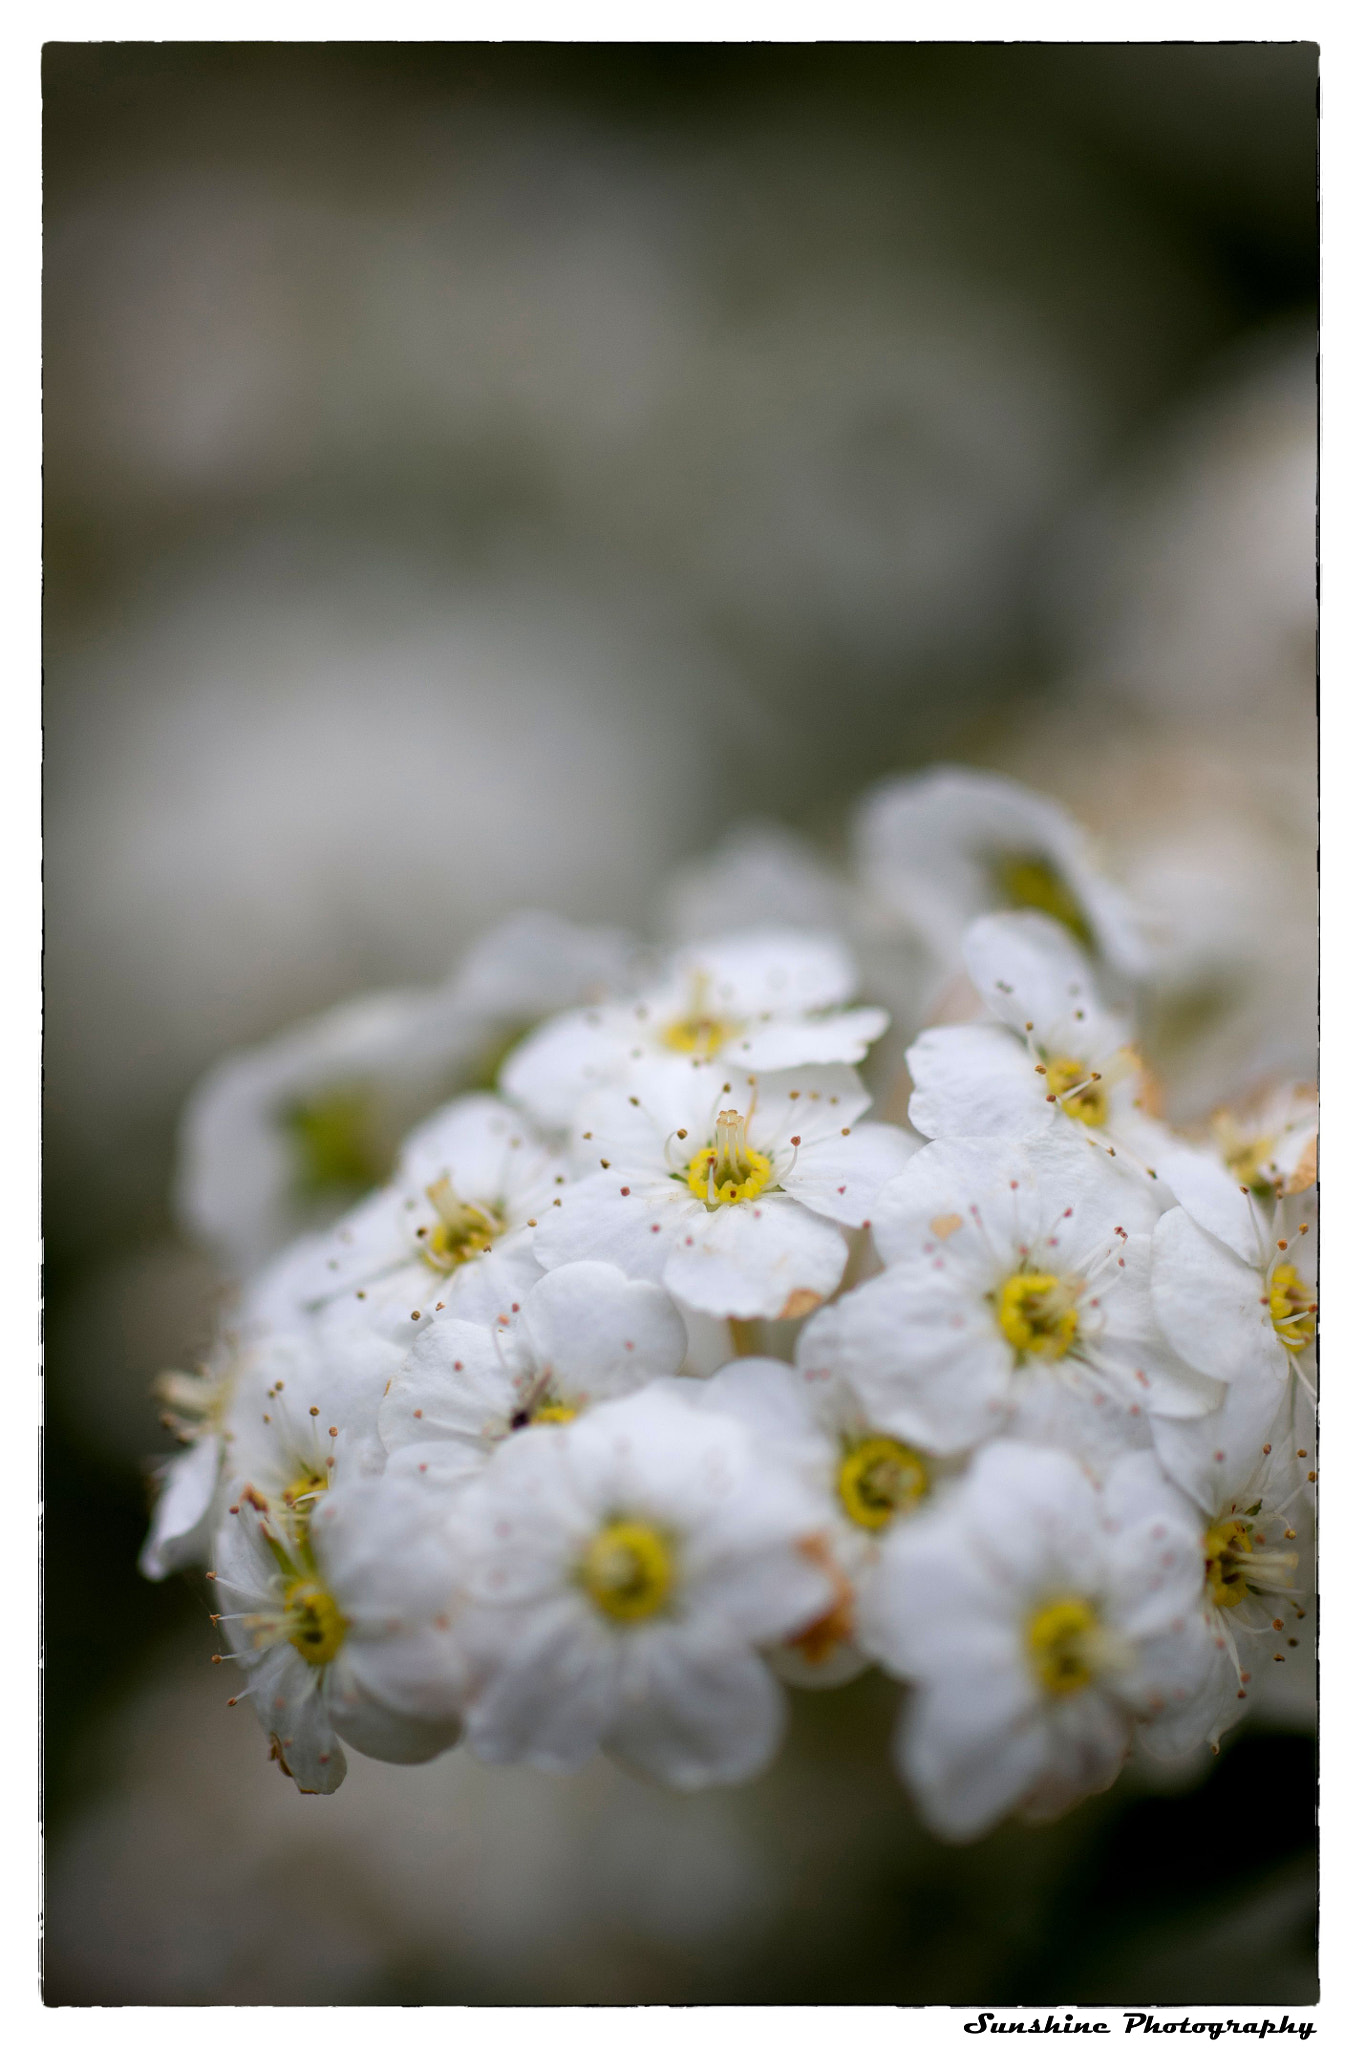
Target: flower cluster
(657, 1374)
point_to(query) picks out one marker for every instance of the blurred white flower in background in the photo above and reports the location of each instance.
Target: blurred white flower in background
(1190, 584)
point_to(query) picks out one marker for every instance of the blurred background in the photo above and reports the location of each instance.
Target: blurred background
(482, 476)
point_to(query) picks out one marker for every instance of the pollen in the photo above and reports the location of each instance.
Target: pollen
(1079, 1092)
(554, 1411)
(699, 1032)
(297, 1495)
(1038, 1314)
(316, 1627)
(1234, 1566)
(1062, 1641)
(1292, 1310)
(729, 1170)
(880, 1478)
(628, 1571)
(464, 1228)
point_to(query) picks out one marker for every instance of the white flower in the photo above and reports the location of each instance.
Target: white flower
(1236, 1290)
(285, 1136)
(1016, 1299)
(949, 845)
(761, 1000)
(1249, 1486)
(286, 1412)
(1270, 1141)
(1056, 1058)
(583, 1334)
(1041, 1620)
(623, 1573)
(1265, 1148)
(343, 1625)
(303, 1415)
(733, 1195)
(455, 1229)
(866, 1480)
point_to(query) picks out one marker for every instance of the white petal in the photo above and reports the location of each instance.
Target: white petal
(1034, 977)
(753, 1258)
(454, 1385)
(969, 1776)
(1208, 1301)
(288, 1697)
(1210, 1457)
(784, 972)
(923, 1355)
(486, 1148)
(693, 1721)
(1207, 1192)
(551, 1693)
(369, 1724)
(565, 1059)
(806, 1042)
(181, 1526)
(597, 1221)
(601, 1333)
(974, 1081)
(421, 1673)
(843, 1177)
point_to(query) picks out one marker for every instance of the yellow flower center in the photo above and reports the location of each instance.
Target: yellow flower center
(336, 1145)
(1234, 1566)
(1245, 1158)
(316, 1627)
(297, 1495)
(463, 1228)
(1031, 882)
(628, 1571)
(1062, 1640)
(1079, 1095)
(1038, 1314)
(879, 1478)
(554, 1411)
(700, 1033)
(1292, 1309)
(729, 1170)
(1227, 1549)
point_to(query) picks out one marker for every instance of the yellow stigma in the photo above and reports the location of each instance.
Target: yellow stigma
(1037, 1314)
(336, 1147)
(1247, 1159)
(628, 1571)
(316, 1627)
(729, 1170)
(879, 1478)
(1031, 882)
(699, 1032)
(1227, 1548)
(1236, 1561)
(1062, 1639)
(1292, 1309)
(297, 1495)
(554, 1411)
(463, 1228)
(1081, 1097)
